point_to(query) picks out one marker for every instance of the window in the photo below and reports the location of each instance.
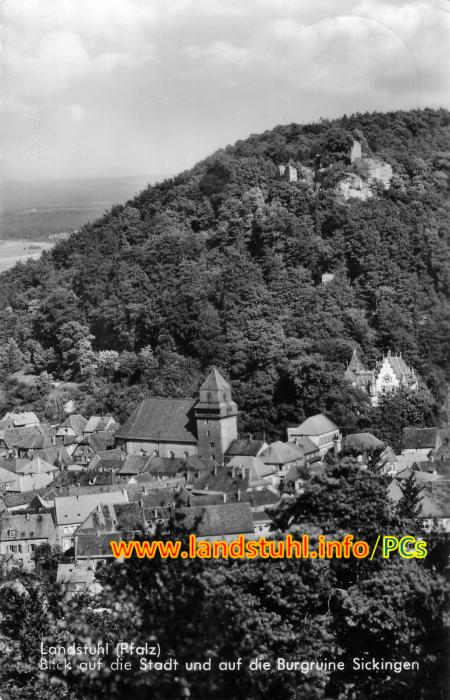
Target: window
(211, 444)
(11, 534)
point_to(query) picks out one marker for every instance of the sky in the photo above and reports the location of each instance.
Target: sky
(98, 88)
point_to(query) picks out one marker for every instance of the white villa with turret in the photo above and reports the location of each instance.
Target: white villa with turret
(389, 375)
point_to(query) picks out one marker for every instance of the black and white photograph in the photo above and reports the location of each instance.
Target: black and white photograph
(224, 350)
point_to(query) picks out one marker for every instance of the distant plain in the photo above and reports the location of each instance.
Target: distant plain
(31, 212)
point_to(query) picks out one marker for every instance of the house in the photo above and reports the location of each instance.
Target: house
(89, 446)
(421, 439)
(180, 428)
(434, 503)
(56, 455)
(109, 460)
(22, 533)
(73, 426)
(363, 445)
(148, 481)
(71, 511)
(389, 375)
(95, 549)
(309, 449)
(134, 464)
(36, 466)
(28, 419)
(6, 444)
(321, 431)
(118, 517)
(6, 478)
(260, 474)
(218, 522)
(78, 577)
(282, 456)
(23, 442)
(262, 523)
(245, 447)
(100, 424)
(29, 482)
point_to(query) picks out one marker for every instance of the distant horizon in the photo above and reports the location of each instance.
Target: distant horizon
(162, 175)
(142, 87)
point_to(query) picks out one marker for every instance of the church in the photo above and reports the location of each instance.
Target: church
(389, 375)
(183, 427)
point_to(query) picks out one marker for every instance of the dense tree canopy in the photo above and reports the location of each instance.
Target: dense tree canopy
(223, 264)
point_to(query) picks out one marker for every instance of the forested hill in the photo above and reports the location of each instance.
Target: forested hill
(223, 264)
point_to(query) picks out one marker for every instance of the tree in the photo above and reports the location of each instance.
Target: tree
(75, 348)
(410, 504)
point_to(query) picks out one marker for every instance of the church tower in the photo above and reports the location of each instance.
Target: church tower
(216, 416)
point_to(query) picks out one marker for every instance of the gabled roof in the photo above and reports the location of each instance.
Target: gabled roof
(245, 447)
(305, 444)
(134, 464)
(99, 443)
(258, 468)
(55, 454)
(166, 466)
(420, 438)
(99, 424)
(27, 438)
(6, 476)
(363, 441)
(399, 366)
(220, 479)
(165, 420)
(97, 545)
(119, 517)
(20, 420)
(13, 465)
(77, 422)
(214, 382)
(74, 509)
(419, 475)
(317, 425)
(108, 459)
(281, 453)
(37, 466)
(6, 438)
(30, 482)
(207, 521)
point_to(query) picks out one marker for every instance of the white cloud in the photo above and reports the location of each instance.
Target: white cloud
(171, 80)
(222, 51)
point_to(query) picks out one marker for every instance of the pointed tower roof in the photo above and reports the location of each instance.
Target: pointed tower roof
(214, 382)
(355, 364)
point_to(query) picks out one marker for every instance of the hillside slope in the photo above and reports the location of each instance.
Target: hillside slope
(223, 264)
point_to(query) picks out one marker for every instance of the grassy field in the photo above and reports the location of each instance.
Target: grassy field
(12, 252)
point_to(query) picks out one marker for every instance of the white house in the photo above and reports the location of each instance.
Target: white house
(321, 431)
